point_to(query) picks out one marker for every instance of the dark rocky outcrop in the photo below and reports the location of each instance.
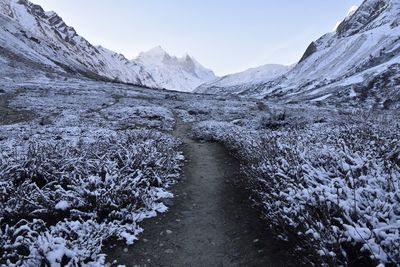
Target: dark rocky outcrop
(311, 49)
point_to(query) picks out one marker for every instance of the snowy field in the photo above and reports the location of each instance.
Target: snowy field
(94, 159)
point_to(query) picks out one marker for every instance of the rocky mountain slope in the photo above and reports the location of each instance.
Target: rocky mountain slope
(359, 62)
(31, 34)
(173, 73)
(32, 40)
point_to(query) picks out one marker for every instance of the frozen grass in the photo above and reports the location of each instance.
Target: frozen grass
(87, 169)
(331, 188)
(60, 202)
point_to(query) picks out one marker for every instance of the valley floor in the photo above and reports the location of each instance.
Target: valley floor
(210, 221)
(95, 173)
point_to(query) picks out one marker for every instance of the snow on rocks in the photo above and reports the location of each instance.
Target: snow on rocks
(62, 205)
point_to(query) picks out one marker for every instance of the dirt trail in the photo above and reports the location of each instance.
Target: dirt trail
(210, 222)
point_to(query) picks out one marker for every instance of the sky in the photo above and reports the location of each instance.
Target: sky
(226, 36)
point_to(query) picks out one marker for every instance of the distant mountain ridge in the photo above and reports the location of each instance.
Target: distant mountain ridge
(239, 82)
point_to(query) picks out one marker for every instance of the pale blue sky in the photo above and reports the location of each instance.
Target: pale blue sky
(224, 35)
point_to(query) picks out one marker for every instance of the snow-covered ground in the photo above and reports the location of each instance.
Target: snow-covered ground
(92, 163)
(98, 158)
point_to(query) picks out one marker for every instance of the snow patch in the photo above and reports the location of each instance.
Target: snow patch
(62, 205)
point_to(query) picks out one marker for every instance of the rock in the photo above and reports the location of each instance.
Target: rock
(262, 106)
(45, 121)
(168, 232)
(126, 250)
(171, 97)
(236, 254)
(169, 251)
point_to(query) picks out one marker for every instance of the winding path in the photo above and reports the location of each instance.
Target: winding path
(210, 223)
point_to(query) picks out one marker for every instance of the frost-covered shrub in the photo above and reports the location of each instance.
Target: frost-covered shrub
(60, 201)
(336, 189)
(331, 189)
(72, 243)
(212, 130)
(128, 116)
(273, 120)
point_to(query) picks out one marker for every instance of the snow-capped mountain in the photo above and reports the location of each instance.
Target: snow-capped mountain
(43, 38)
(173, 73)
(239, 82)
(360, 61)
(32, 40)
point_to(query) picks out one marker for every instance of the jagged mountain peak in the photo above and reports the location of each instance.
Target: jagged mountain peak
(157, 51)
(175, 73)
(158, 55)
(352, 10)
(350, 13)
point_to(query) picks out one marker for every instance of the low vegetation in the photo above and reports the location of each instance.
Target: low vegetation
(330, 188)
(61, 201)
